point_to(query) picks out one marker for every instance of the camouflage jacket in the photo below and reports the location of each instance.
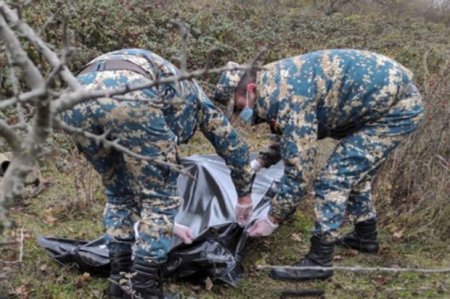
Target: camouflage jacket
(186, 107)
(321, 94)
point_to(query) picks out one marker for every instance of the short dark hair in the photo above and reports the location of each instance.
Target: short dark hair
(248, 77)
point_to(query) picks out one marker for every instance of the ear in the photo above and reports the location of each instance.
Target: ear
(251, 87)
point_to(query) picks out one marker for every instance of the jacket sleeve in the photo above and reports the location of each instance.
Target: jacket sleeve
(227, 143)
(297, 149)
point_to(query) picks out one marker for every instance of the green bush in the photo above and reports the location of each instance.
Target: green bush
(238, 29)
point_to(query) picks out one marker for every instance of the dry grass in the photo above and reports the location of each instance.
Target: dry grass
(415, 183)
(412, 190)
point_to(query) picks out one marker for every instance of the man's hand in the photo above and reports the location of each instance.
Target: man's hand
(263, 227)
(244, 210)
(183, 233)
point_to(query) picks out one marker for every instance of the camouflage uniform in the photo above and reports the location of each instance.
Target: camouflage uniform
(366, 100)
(150, 122)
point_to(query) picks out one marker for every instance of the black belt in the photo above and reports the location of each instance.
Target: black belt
(113, 65)
(339, 132)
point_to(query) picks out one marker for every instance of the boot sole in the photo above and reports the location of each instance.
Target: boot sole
(370, 250)
(299, 279)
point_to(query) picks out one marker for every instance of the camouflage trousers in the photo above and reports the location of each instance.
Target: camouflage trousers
(141, 195)
(344, 184)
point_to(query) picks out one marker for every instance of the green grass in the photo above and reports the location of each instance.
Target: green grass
(72, 203)
(57, 211)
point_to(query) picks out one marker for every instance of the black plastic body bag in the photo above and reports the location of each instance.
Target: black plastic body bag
(208, 209)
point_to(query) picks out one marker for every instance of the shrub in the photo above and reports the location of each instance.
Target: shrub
(418, 173)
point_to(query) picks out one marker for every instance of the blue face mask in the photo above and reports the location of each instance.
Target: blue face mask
(246, 114)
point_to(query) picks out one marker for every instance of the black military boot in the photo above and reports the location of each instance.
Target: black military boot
(320, 255)
(363, 238)
(146, 281)
(120, 262)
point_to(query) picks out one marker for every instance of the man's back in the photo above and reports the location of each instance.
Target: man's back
(342, 86)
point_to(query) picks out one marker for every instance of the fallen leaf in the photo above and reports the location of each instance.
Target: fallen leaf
(296, 237)
(97, 294)
(338, 258)
(267, 243)
(43, 268)
(380, 280)
(351, 252)
(208, 284)
(195, 287)
(398, 234)
(50, 219)
(441, 287)
(60, 279)
(21, 291)
(86, 276)
(384, 250)
(82, 279)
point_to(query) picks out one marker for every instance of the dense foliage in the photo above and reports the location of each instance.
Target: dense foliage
(413, 187)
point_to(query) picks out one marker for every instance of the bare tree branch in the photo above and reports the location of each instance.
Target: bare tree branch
(26, 151)
(10, 136)
(23, 98)
(184, 31)
(15, 85)
(254, 64)
(70, 99)
(28, 32)
(102, 139)
(49, 21)
(357, 269)
(18, 55)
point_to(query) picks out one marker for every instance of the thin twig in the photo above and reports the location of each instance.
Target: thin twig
(41, 46)
(21, 245)
(15, 86)
(356, 269)
(183, 27)
(209, 60)
(258, 56)
(49, 21)
(22, 98)
(55, 71)
(102, 139)
(18, 56)
(444, 163)
(9, 135)
(70, 99)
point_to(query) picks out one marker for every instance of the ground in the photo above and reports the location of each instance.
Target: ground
(70, 205)
(410, 194)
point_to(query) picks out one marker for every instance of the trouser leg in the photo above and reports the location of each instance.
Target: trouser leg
(347, 174)
(360, 205)
(355, 159)
(155, 186)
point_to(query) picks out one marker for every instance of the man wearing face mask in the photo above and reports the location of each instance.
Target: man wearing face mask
(365, 100)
